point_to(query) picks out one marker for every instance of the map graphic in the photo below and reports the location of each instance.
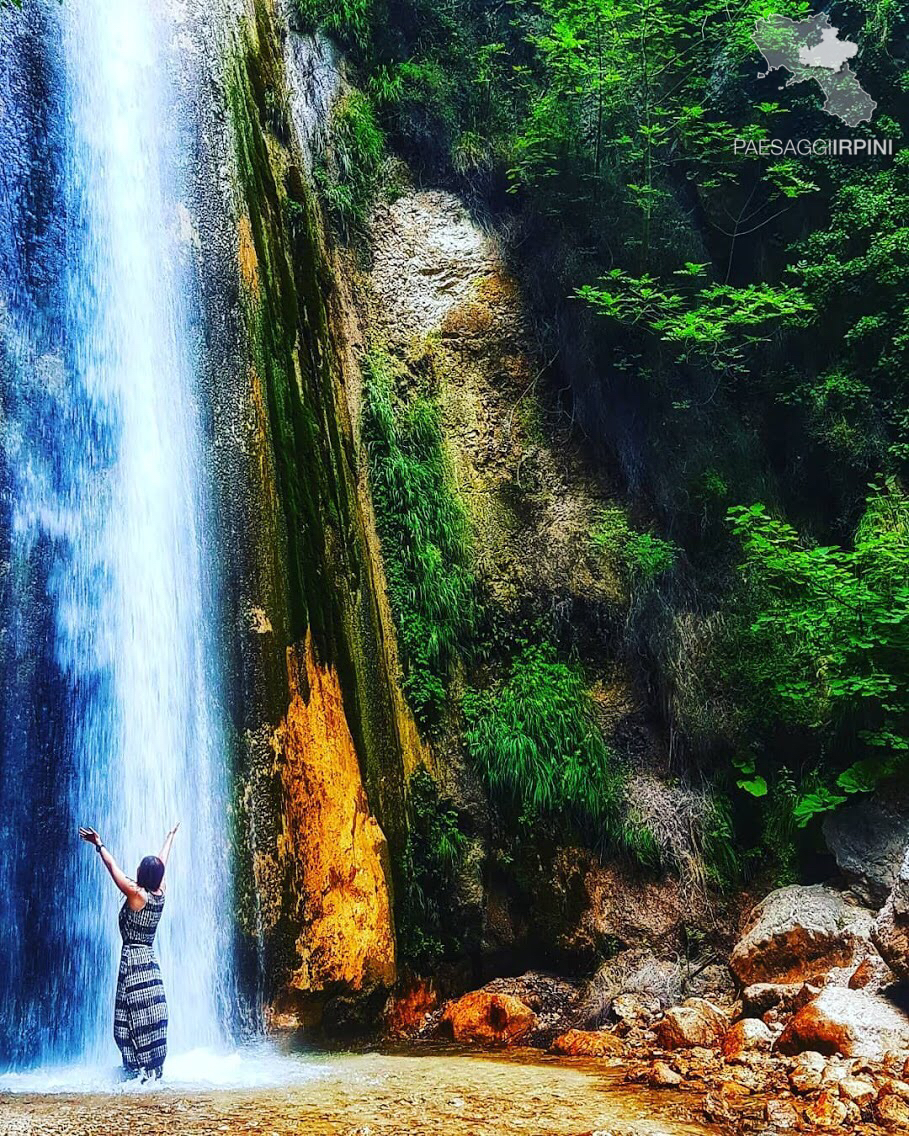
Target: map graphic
(811, 49)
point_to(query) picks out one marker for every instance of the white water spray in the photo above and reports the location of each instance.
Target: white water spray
(116, 485)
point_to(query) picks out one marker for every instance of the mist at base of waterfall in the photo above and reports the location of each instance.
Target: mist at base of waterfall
(256, 1066)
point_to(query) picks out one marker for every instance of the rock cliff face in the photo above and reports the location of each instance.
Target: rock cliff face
(320, 780)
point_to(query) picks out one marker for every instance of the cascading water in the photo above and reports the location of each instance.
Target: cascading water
(112, 704)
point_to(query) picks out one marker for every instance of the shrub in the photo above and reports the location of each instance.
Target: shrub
(642, 555)
(537, 743)
(349, 173)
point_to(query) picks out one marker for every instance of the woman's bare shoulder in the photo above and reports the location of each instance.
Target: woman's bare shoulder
(137, 900)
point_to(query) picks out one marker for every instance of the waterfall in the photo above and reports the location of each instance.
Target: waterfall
(112, 696)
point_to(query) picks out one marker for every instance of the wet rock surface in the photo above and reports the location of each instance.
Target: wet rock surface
(332, 842)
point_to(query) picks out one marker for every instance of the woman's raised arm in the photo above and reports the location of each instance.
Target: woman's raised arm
(166, 846)
(129, 887)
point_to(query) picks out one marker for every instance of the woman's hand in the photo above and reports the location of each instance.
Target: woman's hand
(91, 837)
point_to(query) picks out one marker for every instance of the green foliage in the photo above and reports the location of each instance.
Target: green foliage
(779, 825)
(753, 341)
(722, 855)
(831, 640)
(536, 741)
(427, 931)
(349, 173)
(349, 20)
(856, 272)
(643, 555)
(424, 534)
(715, 323)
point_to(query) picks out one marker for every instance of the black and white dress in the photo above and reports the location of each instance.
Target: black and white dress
(140, 1015)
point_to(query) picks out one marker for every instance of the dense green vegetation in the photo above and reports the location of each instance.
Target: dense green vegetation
(425, 536)
(427, 929)
(534, 736)
(747, 316)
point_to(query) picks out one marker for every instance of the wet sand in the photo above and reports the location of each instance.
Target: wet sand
(373, 1094)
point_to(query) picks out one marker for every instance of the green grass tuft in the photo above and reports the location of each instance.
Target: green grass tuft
(349, 173)
(536, 740)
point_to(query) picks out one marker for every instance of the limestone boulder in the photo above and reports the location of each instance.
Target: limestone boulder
(807, 1072)
(696, 1022)
(828, 1111)
(871, 974)
(486, 1018)
(799, 933)
(747, 1036)
(858, 1090)
(891, 1108)
(868, 839)
(663, 1076)
(549, 996)
(782, 997)
(891, 931)
(851, 1022)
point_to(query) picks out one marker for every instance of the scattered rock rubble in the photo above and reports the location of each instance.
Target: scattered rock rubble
(814, 1038)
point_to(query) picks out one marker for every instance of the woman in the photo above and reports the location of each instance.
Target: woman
(140, 1014)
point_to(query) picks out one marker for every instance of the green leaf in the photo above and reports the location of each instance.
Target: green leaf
(757, 787)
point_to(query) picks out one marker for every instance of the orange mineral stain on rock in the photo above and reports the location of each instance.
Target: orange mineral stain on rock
(338, 852)
(588, 1043)
(246, 256)
(406, 1012)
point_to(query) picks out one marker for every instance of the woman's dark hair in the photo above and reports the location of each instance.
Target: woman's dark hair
(150, 874)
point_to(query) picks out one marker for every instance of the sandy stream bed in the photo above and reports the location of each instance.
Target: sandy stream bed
(377, 1094)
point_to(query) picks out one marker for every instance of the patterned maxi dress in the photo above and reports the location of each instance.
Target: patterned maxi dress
(140, 1015)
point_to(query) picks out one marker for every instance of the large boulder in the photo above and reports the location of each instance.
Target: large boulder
(871, 974)
(798, 933)
(549, 996)
(747, 1036)
(696, 1022)
(891, 928)
(781, 997)
(851, 1022)
(488, 1019)
(868, 839)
